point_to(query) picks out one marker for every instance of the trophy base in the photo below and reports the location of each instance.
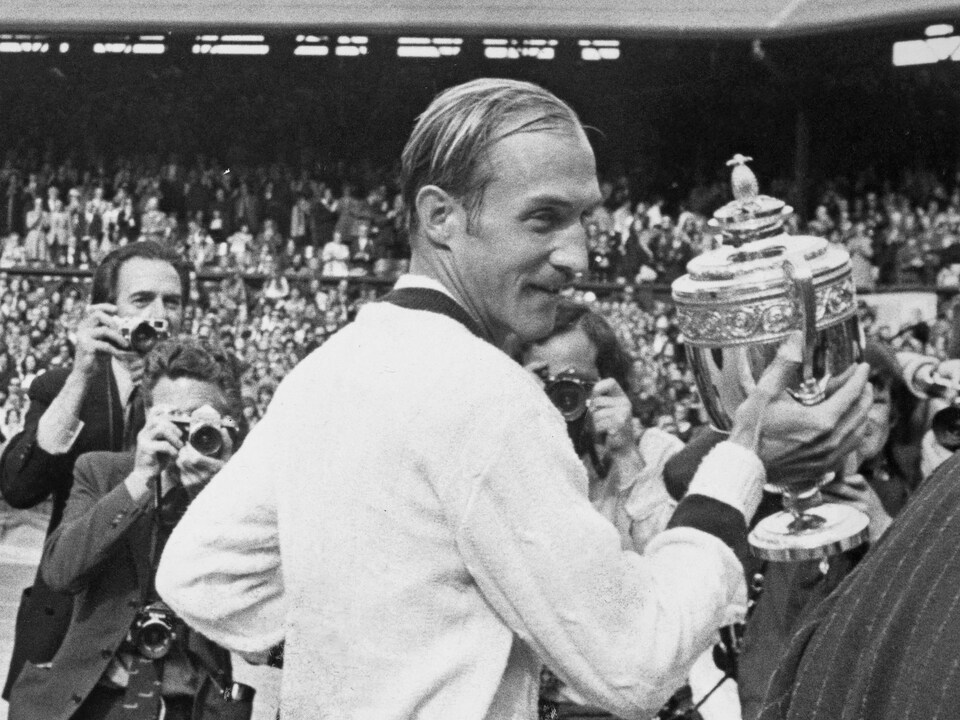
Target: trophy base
(821, 532)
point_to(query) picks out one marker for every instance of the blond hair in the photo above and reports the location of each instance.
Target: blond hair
(452, 138)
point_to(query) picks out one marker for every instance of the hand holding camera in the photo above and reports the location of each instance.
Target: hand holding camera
(158, 442)
(101, 334)
(208, 443)
(199, 443)
(97, 338)
(612, 415)
(940, 381)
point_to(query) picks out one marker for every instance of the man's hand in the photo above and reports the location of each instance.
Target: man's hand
(947, 372)
(612, 415)
(157, 443)
(799, 443)
(97, 339)
(855, 491)
(796, 442)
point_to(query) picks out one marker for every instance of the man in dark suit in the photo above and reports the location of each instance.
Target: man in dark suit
(92, 406)
(115, 524)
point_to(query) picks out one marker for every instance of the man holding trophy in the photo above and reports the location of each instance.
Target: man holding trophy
(432, 573)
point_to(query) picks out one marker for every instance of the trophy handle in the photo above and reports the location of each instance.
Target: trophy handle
(810, 391)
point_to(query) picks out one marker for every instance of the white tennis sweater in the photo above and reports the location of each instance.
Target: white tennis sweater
(411, 517)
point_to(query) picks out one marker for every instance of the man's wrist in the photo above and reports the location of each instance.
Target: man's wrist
(140, 482)
(82, 373)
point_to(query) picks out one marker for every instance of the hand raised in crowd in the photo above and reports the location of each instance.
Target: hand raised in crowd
(612, 415)
(948, 373)
(97, 339)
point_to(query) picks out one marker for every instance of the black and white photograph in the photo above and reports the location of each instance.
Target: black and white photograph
(513, 360)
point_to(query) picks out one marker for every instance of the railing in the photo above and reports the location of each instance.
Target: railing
(649, 290)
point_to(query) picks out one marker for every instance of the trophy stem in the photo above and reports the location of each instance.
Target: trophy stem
(797, 504)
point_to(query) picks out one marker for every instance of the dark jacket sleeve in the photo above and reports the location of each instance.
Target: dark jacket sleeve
(28, 474)
(94, 523)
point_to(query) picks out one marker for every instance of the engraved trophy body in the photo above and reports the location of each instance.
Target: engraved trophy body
(735, 306)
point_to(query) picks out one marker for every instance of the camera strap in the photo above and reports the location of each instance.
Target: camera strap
(415, 298)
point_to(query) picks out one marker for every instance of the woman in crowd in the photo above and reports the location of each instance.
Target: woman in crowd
(35, 243)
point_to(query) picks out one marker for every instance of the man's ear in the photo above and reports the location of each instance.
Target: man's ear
(440, 216)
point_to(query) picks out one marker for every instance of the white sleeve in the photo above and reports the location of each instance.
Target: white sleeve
(220, 570)
(56, 433)
(622, 629)
(912, 364)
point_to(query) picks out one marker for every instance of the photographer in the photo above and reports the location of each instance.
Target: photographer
(123, 643)
(586, 373)
(93, 405)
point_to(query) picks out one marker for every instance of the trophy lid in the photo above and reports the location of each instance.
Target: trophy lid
(750, 216)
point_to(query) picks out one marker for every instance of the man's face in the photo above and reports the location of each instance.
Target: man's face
(528, 240)
(150, 289)
(185, 394)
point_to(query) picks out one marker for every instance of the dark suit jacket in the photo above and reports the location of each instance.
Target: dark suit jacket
(101, 552)
(29, 475)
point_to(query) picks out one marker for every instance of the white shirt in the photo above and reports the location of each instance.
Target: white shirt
(411, 518)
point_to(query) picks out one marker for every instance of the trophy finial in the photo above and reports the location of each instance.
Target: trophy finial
(750, 215)
(742, 179)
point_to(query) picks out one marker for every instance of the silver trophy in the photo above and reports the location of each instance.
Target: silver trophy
(735, 306)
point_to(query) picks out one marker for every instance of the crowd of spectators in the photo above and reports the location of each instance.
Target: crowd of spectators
(255, 220)
(337, 220)
(276, 249)
(897, 235)
(273, 325)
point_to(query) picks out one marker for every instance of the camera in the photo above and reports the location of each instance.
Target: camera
(204, 435)
(154, 630)
(569, 392)
(141, 335)
(946, 427)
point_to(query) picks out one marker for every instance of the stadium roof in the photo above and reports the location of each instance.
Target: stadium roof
(618, 18)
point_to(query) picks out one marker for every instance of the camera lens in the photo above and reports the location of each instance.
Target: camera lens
(569, 397)
(207, 440)
(142, 338)
(155, 639)
(946, 427)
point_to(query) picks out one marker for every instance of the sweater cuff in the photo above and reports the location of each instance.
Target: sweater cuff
(733, 475)
(700, 512)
